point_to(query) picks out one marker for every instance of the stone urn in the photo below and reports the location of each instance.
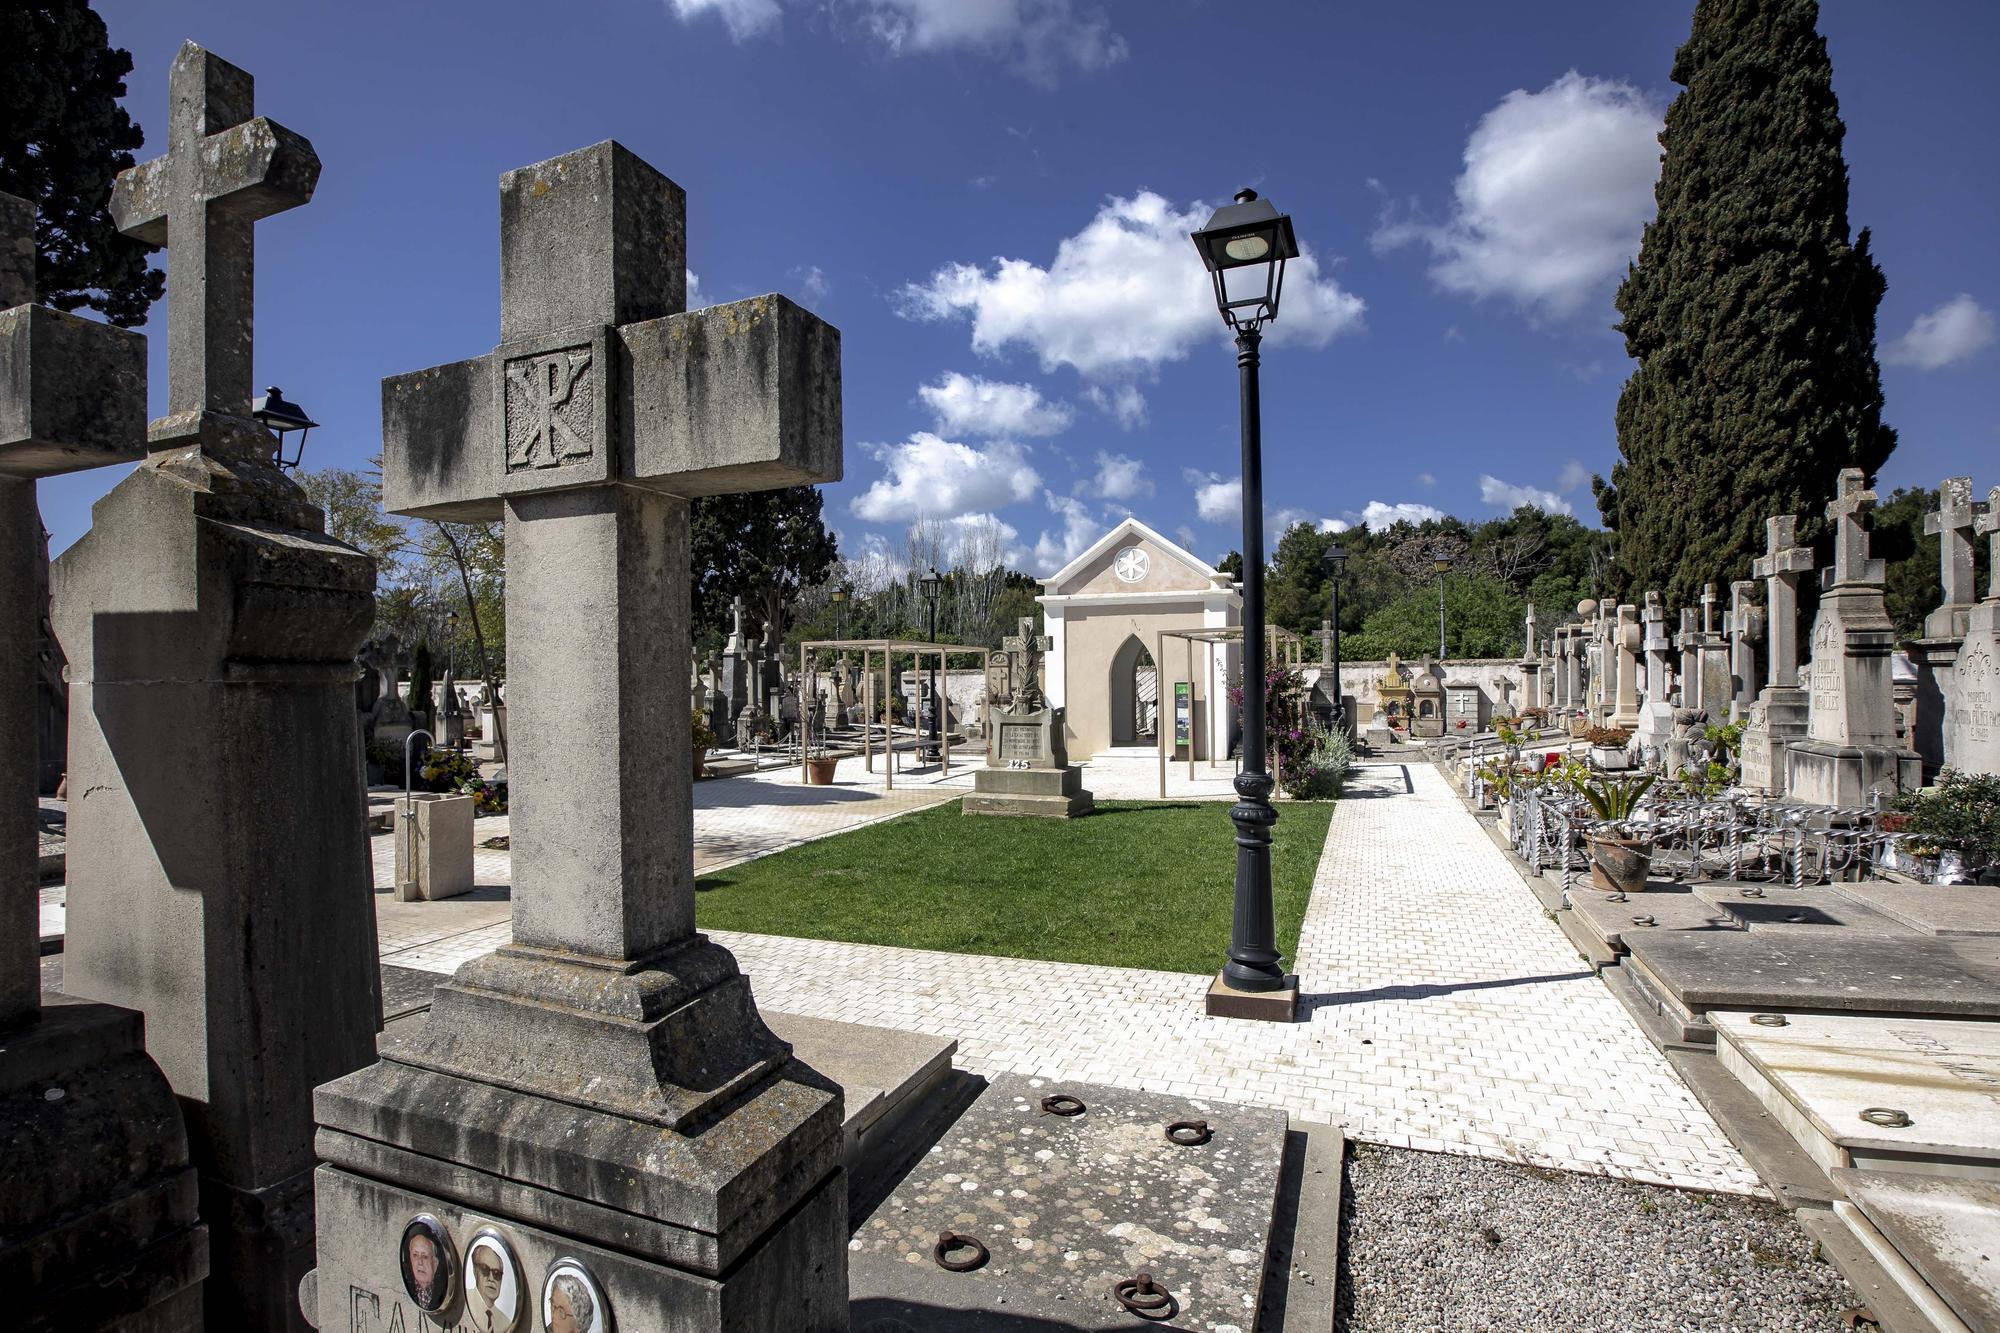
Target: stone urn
(1619, 865)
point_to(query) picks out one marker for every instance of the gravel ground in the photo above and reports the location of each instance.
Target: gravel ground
(1430, 1241)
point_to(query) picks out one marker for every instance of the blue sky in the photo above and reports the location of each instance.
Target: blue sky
(989, 198)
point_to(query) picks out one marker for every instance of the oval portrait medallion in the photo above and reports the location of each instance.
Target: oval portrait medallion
(493, 1297)
(430, 1265)
(571, 1300)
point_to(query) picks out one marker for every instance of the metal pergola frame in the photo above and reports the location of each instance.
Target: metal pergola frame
(1208, 638)
(888, 648)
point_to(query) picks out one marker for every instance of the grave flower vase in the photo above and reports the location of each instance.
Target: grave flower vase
(1620, 865)
(1611, 757)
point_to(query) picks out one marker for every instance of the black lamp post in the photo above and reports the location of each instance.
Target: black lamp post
(1248, 242)
(839, 599)
(451, 633)
(1443, 567)
(1335, 560)
(281, 419)
(929, 583)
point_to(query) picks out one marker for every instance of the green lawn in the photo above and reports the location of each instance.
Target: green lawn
(1136, 884)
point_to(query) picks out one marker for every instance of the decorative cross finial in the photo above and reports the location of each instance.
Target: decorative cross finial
(1848, 510)
(1782, 553)
(223, 172)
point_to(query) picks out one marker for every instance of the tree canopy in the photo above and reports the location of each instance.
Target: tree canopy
(1750, 313)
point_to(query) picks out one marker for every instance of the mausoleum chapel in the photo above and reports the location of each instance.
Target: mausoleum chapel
(560, 796)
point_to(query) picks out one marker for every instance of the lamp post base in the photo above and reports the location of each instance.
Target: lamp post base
(1270, 1006)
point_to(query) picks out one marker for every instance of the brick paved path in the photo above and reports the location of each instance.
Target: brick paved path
(1444, 1010)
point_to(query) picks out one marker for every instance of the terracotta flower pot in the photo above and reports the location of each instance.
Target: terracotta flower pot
(1619, 865)
(819, 772)
(700, 758)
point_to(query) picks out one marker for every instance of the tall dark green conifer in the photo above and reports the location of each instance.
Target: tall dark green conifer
(1750, 314)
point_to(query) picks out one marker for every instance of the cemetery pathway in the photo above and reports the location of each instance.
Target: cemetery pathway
(1443, 1010)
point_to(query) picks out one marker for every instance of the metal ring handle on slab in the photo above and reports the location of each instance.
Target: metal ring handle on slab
(1189, 1133)
(1144, 1297)
(951, 1240)
(1770, 1020)
(1645, 920)
(1062, 1103)
(1888, 1117)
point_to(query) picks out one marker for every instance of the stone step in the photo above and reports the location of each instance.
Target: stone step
(1939, 1239)
(1825, 1075)
(884, 1074)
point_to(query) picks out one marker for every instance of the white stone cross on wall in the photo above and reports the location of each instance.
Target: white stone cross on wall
(1848, 510)
(223, 172)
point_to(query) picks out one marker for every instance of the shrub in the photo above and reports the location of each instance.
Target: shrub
(1615, 737)
(1961, 814)
(701, 735)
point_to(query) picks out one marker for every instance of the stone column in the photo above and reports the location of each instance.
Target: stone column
(99, 1220)
(1627, 640)
(1852, 754)
(1656, 714)
(602, 1088)
(219, 876)
(1746, 627)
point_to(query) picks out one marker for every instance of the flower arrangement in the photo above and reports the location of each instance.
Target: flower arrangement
(1459, 725)
(1610, 737)
(453, 771)
(1961, 814)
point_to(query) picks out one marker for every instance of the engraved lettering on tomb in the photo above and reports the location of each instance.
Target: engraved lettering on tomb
(549, 407)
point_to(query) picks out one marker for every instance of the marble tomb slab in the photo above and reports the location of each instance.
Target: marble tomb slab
(1844, 970)
(1781, 906)
(1948, 1231)
(1824, 1075)
(1934, 909)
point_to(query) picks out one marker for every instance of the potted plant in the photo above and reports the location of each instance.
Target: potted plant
(1607, 747)
(820, 764)
(701, 739)
(1954, 826)
(1620, 856)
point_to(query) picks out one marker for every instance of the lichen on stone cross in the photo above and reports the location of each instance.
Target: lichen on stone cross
(1783, 561)
(1024, 651)
(1848, 509)
(224, 170)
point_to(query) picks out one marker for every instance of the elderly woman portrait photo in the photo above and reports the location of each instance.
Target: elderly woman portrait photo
(571, 1302)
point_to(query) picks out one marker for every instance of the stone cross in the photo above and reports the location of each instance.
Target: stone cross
(735, 642)
(606, 408)
(72, 396)
(1689, 643)
(1952, 525)
(1988, 525)
(1626, 643)
(1783, 561)
(1326, 646)
(1529, 651)
(1708, 601)
(223, 172)
(1024, 664)
(1848, 510)
(1657, 645)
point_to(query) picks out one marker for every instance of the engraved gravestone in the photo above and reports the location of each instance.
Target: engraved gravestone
(1972, 730)
(601, 1092)
(1027, 768)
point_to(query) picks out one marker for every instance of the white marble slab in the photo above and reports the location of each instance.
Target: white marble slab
(1946, 1231)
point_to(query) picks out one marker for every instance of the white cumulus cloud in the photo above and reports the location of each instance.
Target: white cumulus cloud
(1119, 477)
(1510, 497)
(1123, 403)
(1378, 514)
(970, 405)
(1037, 38)
(1334, 525)
(1053, 550)
(1557, 187)
(1216, 500)
(1122, 296)
(1573, 475)
(930, 477)
(1947, 335)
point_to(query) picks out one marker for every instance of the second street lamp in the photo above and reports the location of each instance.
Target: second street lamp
(1244, 247)
(1443, 567)
(930, 583)
(1335, 560)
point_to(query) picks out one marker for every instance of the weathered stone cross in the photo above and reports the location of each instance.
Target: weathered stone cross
(1708, 601)
(1529, 651)
(1850, 505)
(1783, 561)
(223, 172)
(72, 396)
(1952, 525)
(1744, 631)
(1988, 524)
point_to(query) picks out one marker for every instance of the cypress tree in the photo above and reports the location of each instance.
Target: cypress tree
(1750, 314)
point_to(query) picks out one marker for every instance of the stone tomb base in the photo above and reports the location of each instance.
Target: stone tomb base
(1937, 1238)
(1848, 777)
(1068, 1206)
(1820, 1075)
(1046, 792)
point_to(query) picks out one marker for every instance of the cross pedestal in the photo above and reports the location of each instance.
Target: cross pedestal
(1027, 752)
(105, 1228)
(219, 877)
(1779, 715)
(1851, 754)
(601, 1091)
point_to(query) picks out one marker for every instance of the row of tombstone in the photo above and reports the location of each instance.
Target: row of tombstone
(1834, 725)
(202, 1132)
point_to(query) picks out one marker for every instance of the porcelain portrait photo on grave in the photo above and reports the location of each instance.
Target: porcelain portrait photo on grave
(492, 1283)
(572, 1302)
(430, 1267)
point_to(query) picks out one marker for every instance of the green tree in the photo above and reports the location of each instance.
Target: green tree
(763, 546)
(1482, 619)
(63, 141)
(1750, 314)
